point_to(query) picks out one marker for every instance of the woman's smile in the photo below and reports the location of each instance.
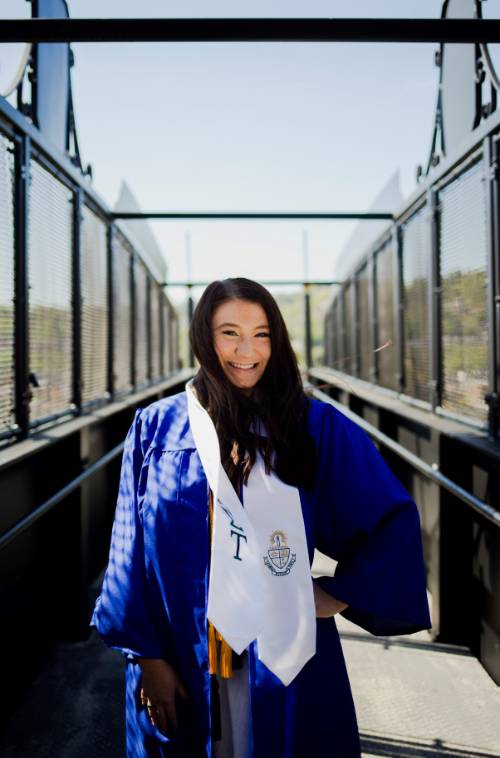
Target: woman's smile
(243, 366)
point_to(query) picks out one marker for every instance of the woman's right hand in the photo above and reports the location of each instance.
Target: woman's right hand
(160, 685)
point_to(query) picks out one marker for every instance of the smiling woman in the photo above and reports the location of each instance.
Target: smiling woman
(226, 489)
(242, 341)
(248, 370)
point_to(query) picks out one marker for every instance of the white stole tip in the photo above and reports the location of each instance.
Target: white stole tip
(286, 674)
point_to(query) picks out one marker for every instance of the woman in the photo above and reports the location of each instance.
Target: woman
(238, 479)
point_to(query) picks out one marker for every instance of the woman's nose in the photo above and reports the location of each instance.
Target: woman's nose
(244, 346)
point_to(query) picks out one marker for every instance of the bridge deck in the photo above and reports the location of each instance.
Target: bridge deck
(414, 699)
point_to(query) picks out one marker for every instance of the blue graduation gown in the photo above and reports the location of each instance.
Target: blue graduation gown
(154, 596)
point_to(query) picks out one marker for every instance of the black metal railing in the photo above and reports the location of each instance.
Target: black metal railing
(426, 322)
(48, 505)
(431, 472)
(61, 292)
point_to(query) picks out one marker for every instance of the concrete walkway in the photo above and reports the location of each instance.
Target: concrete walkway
(414, 699)
(417, 698)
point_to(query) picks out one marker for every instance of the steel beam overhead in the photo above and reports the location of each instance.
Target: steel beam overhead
(267, 283)
(254, 215)
(249, 30)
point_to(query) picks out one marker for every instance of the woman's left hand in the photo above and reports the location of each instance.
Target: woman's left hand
(160, 685)
(326, 605)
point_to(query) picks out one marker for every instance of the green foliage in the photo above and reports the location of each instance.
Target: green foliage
(464, 303)
(416, 308)
(292, 307)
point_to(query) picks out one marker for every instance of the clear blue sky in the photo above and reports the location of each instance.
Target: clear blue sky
(253, 127)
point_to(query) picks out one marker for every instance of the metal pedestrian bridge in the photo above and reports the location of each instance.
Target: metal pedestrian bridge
(405, 340)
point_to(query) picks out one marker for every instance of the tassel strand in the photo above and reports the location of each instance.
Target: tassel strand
(220, 654)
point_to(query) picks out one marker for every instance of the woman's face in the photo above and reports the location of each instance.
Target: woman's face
(242, 341)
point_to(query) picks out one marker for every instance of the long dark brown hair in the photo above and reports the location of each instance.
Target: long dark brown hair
(277, 401)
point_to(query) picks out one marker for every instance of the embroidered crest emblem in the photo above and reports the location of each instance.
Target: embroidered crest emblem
(279, 559)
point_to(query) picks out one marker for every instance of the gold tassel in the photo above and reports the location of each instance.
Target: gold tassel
(216, 642)
(226, 660)
(212, 649)
(211, 512)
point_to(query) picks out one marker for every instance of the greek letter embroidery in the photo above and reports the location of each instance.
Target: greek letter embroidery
(236, 530)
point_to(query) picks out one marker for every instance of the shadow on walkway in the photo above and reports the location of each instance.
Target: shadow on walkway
(409, 642)
(391, 747)
(75, 708)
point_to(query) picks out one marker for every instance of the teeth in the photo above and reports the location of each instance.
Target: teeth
(243, 365)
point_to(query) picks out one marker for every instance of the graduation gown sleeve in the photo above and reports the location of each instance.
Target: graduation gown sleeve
(370, 525)
(124, 613)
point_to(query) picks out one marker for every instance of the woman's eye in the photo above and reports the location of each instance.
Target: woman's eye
(263, 334)
(230, 332)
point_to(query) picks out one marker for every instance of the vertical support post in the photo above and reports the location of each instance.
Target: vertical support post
(190, 309)
(355, 340)
(344, 350)
(158, 294)
(162, 309)
(307, 301)
(398, 306)
(133, 309)
(21, 333)
(492, 171)
(111, 309)
(434, 299)
(170, 354)
(331, 338)
(190, 306)
(307, 327)
(373, 311)
(335, 345)
(327, 344)
(176, 342)
(77, 301)
(149, 335)
(171, 333)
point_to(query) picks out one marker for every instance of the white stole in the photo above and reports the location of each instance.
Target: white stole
(260, 580)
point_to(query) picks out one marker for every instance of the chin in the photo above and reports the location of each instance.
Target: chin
(242, 385)
(243, 382)
(245, 386)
